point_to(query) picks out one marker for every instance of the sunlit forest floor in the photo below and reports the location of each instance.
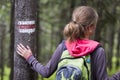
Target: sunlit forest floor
(7, 71)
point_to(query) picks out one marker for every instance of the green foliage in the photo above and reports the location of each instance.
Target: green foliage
(114, 69)
(5, 12)
(6, 73)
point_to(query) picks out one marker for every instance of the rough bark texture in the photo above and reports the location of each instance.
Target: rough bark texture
(11, 47)
(25, 10)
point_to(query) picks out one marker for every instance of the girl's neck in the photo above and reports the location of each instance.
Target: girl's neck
(86, 38)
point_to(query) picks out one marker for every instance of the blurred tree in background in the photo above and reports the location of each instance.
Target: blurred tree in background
(52, 16)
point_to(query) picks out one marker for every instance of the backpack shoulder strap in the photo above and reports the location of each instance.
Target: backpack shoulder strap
(85, 64)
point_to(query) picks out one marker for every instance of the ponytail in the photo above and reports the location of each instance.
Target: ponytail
(73, 31)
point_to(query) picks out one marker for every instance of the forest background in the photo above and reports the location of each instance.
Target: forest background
(52, 16)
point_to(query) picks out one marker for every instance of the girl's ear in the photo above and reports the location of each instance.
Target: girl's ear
(90, 29)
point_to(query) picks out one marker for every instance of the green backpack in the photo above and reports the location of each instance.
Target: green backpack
(70, 68)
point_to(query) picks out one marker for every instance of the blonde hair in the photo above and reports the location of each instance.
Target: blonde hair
(82, 17)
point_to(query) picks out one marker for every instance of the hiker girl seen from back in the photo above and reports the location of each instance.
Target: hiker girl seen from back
(77, 41)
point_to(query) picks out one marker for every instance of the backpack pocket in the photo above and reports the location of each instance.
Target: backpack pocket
(69, 73)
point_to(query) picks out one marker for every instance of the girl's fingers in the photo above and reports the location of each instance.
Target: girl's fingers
(19, 49)
(22, 46)
(18, 46)
(28, 47)
(19, 53)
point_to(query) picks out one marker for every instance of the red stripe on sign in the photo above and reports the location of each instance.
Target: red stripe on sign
(26, 26)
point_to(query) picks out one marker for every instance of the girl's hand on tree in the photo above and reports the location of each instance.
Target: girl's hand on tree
(24, 51)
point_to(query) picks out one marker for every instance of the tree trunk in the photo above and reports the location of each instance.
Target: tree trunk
(83, 2)
(37, 37)
(25, 19)
(67, 17)
(2, 50)
(111, 31)
(11, 47)
(99, 27)
(111, 38)
(0, 53)
(118, 51)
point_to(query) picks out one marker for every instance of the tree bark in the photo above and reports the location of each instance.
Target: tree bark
(25, 19)
(11, 47)
(38, 43)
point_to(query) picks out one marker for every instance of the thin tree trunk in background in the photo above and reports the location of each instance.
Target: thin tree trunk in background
(118, 51)
(37, 36)
(11, 48)
(0, 54)
(25, 19)
(38, 30)
(2, 50)
(111, 30)
(104, 39)
(118, 40)
(72, 6)
(99, 27)
(62, 23)
(66, 17)
(111, 38)
(83, 2)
